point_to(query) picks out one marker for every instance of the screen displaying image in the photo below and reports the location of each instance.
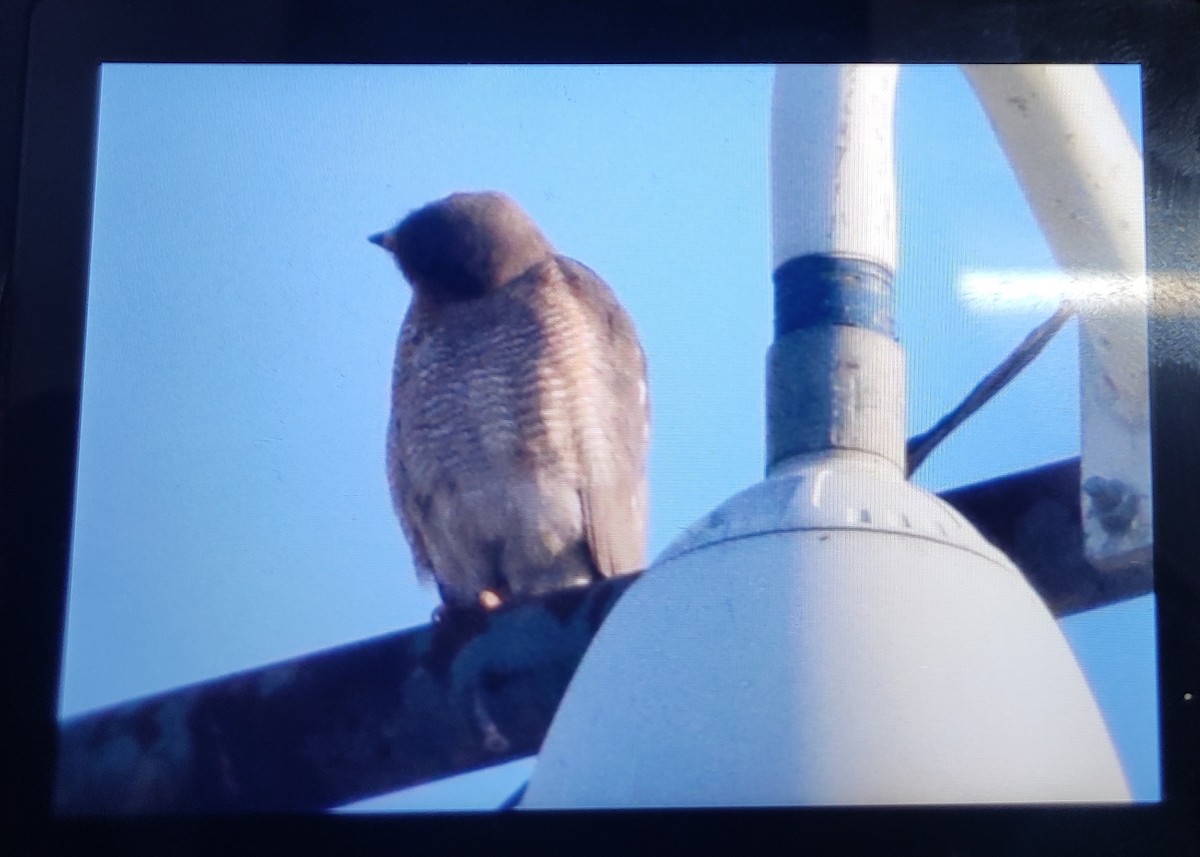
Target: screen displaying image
(233, 506)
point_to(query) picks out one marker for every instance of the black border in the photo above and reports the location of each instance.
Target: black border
(41, 322)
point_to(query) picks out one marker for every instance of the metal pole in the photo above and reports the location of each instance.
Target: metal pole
(835, 373)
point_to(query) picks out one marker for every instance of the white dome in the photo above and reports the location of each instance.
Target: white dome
(831, 635)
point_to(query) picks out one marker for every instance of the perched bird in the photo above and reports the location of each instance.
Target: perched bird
(516, 450)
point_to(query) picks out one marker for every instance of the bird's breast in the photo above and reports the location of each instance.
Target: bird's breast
(495, 386)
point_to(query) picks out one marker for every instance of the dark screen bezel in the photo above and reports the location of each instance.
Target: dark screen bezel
(47, 290)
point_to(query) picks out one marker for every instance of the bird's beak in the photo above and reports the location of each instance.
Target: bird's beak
(381, 238)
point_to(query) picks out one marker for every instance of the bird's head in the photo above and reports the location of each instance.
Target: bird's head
(465, 246)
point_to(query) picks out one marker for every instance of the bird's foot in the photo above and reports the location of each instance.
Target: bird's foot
(486, 601)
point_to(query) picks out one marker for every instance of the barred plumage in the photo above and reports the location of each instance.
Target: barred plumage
(520, 421)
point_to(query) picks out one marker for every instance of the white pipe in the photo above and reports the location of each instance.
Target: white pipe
(1074, 158)
(833, 162)
(835, 373)
(1082, 175)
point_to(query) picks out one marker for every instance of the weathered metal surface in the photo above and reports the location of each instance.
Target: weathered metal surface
(835, 375)
(1033, 516)
(835, 387)
(467, 692)
(1082, 176)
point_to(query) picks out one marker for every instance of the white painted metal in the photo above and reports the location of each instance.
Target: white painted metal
(832, 161)
(832, 635)
(1082, 175)
(833, 192)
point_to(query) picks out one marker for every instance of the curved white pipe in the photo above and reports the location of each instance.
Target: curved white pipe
(833, 175)
(1074, 159)
(1082, 175)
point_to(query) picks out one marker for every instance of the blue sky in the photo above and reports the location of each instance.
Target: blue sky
(232, 508)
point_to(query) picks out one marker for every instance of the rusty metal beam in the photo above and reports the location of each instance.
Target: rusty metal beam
(465, 693)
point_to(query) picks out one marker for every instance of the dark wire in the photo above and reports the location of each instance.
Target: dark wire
(919, 446)
(514, 800)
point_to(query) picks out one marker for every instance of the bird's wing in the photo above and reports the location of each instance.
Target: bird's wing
(410, 519)
(404, 499)
(613, 493)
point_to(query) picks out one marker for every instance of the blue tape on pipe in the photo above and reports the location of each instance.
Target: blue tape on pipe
(821, 289)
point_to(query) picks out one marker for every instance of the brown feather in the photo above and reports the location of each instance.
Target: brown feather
(517, 447)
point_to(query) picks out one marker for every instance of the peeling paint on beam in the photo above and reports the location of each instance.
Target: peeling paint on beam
(328, 728)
